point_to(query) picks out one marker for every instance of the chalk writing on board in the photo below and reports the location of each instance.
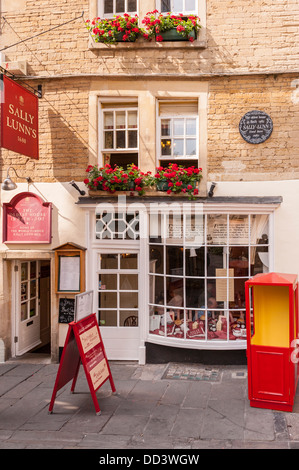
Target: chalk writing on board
(66, 310)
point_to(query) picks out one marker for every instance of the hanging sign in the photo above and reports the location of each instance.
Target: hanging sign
(84, 345)
(19, 119)
(27, 219)
(255, 127)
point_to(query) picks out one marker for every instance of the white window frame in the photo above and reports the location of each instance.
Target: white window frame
(125, 149)
(110, 15)
(183, 137)
(185, 12)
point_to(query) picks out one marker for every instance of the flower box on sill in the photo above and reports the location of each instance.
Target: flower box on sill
(174, 35)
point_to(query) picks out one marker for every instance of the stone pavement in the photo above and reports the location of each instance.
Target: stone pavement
(156, 406)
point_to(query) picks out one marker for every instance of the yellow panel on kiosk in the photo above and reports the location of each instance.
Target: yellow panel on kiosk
(271, 316)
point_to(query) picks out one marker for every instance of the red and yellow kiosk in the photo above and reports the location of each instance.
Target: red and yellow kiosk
(272, 332)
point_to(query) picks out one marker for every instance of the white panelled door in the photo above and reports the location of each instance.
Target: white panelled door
(27, 312)
(117, 303)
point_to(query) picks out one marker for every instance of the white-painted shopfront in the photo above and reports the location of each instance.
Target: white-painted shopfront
(160, 247)
(156, 266)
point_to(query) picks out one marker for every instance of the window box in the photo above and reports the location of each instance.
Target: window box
(174, 35)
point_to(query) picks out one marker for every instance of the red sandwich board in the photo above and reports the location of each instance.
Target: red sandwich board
(83, 344)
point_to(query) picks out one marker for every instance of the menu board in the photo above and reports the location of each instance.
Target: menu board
(69, 274)
(84, 345)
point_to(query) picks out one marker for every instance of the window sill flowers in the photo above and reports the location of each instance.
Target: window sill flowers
(110, 31)
(175, 179)
(155, 26)
(117, 179)
(178, 179)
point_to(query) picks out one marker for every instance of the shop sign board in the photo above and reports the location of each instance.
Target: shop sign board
(27, 219)
(19, 119)
(84, 345)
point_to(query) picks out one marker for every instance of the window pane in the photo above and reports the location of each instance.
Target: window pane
(177, 5)
(108, 318)
(128, 299)
(238, 260)
(238, 230)
(128, 261)
(107, 299)
(190, 126)
(33, 269)
(190, 5)
(120, 120)
(156, 294)
(217, 325)
(216, 259)
(24, 290)
(156, 259)
(109, 261)
(121, 139)
(120, 6)
(132, 119)
(108, 120)
(259, 260)
(128, 282)
(178, 147)
(128, 318)
(108, 6)
(165, 126)
(195, 261)
(108, 281)
(166, 147)
(178, 127)
(259, 229)
(132, 5)
(174, 260)
(24, 271)
(237, 296)
(194, 292)
(194, 230)
(165, 5)
(190, 146)
(217, 230)
(108, 144)
(32, 308)
(174, 292)
(24, 311)
(174, 228)
(32, 289)
(132, 135)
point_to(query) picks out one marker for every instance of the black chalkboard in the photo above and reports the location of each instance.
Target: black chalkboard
(255, 127)
(66, 310)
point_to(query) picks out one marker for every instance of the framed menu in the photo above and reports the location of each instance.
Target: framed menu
(70, 268)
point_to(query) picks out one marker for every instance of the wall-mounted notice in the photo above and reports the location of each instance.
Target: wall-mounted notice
(69, 274)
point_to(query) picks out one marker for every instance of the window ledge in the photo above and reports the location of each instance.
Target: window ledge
(141, 43)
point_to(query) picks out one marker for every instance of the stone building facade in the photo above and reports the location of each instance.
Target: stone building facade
(245, 58)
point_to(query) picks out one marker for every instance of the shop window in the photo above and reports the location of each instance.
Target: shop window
(108, 8)
(119, 134)
(197, 272)
(178, 132)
